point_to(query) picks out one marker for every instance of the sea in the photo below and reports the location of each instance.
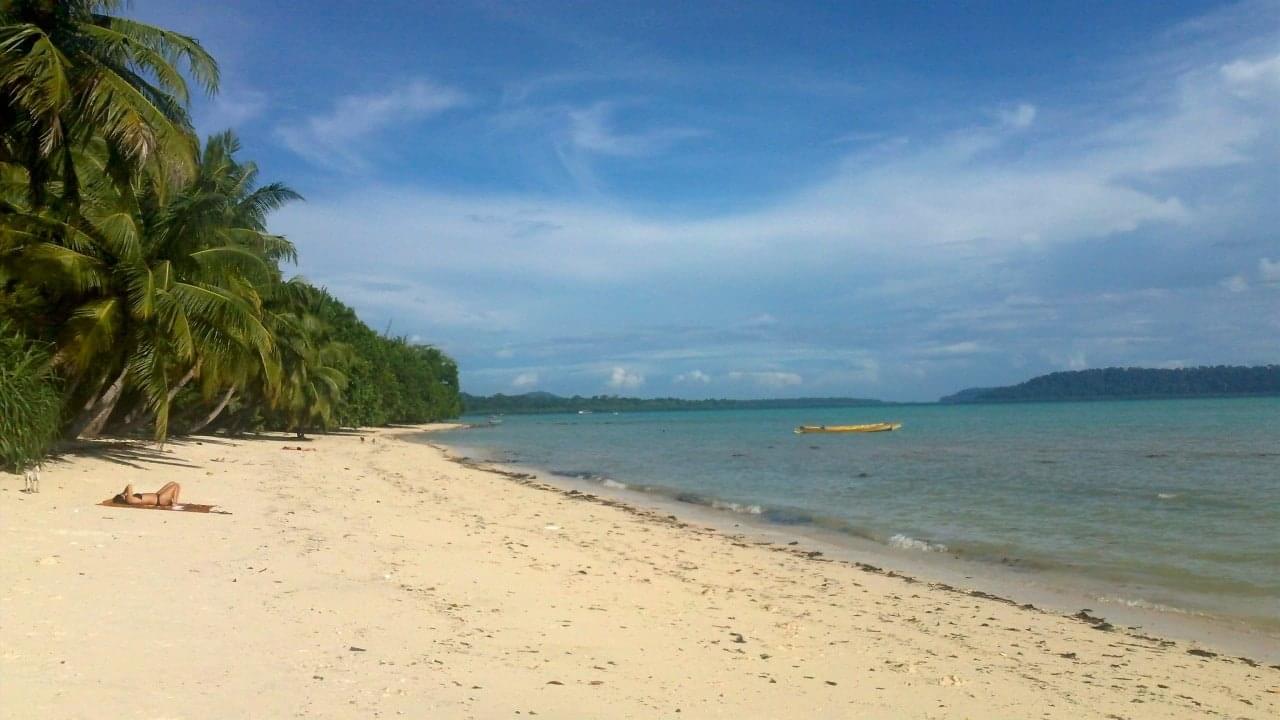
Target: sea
(1167, 505)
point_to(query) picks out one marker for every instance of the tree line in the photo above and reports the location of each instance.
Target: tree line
(140, 289)
(542, 402)
(1134, 383)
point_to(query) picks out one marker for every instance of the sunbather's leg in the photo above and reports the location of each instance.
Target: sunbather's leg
(168, 494)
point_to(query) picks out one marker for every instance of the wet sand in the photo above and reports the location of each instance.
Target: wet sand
(369, 576)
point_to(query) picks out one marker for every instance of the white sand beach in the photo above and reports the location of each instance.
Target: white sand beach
(368, 576)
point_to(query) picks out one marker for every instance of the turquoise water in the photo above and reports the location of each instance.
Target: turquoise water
(1173, 504)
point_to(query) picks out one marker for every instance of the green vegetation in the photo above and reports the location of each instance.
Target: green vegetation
(143, 263)
(541, 402)
(1132, 384)
(30, 404)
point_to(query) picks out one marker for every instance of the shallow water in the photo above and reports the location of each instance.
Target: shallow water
(1171, 504)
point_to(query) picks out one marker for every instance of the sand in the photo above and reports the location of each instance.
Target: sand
(371, 577)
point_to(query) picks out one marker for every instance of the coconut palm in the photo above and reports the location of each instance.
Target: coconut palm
(70, 72)
(161, 280)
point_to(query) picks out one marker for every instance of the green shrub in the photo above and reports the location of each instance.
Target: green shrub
(30, 405)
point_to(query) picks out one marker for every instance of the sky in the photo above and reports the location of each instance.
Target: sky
(771, 199)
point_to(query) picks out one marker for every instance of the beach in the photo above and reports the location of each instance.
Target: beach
(367, 575)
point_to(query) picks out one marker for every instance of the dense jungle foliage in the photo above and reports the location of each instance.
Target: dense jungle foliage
(140, 289)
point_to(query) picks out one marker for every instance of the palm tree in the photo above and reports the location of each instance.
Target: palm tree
(70, 72)
(159, 284)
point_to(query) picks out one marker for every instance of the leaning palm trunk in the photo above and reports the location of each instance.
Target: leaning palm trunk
(136, 416)
(222, 405)
(173, 392)
(97, 418)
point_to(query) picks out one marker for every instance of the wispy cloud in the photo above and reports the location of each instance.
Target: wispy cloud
(1019, 116)
(524, 380)
(593, 129)
(335, 138)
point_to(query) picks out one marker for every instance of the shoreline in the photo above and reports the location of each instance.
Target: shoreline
(371, 576)
(1059, 589)
(966, 576)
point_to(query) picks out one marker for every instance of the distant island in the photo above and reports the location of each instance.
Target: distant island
(543, 402)
(1132, 384)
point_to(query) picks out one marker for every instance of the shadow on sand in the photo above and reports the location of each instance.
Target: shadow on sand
(130, 453)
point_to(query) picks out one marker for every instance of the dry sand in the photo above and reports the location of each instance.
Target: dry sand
(376, 578)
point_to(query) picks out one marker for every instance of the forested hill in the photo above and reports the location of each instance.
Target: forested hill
(541, 402)
(1133, 384)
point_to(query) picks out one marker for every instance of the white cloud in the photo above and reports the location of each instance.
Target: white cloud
(1251, 78)
(622, 379)
(591, 129)
(525, 380)
(1269, 270)
(768, 378)
(1018, 117)
(931, 202)
(1235, 284)
(330, 139)
(504, 353)
(692, 377)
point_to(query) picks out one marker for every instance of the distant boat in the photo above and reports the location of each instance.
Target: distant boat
(868, 428)
(584, 412)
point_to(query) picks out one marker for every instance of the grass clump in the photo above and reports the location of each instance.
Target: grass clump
(30, 404)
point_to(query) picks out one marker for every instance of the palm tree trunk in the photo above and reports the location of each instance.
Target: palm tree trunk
(97, 418)
(222, 405)
(195, 369)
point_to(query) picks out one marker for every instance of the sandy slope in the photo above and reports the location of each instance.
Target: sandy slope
(377, 579)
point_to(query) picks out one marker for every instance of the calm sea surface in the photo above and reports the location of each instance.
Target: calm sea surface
(1172, 504)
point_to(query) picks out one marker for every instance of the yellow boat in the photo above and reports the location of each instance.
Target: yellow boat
(870, 427)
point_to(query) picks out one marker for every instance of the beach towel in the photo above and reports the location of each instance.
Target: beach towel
(180, 507)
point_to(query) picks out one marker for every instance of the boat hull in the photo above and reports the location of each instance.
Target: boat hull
(867, 428)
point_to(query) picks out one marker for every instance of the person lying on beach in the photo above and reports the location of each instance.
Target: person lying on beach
(166, 496)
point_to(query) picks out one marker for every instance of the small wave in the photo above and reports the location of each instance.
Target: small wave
(736, 507)
(907, 542)
(613, 484)
(1168, 496)
(1146, 605)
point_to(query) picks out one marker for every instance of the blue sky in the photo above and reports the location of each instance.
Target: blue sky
(773, 199)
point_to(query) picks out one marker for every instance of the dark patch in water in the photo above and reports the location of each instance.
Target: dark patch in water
(578, 474)
(788, 516)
